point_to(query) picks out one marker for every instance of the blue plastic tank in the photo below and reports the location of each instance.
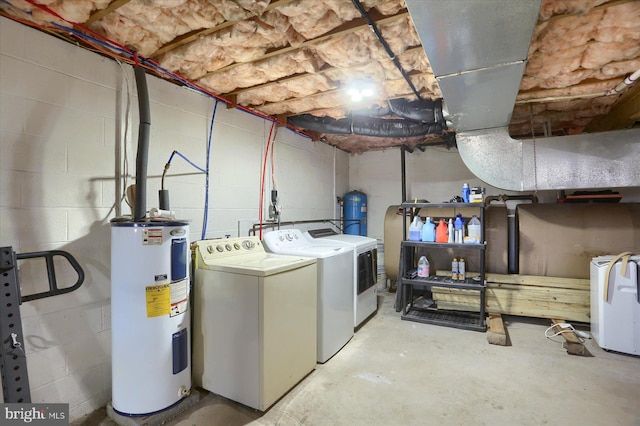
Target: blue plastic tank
(355, 213)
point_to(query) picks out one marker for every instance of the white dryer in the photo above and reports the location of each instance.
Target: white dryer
(254, 322)
(335, 285)
(365, 269)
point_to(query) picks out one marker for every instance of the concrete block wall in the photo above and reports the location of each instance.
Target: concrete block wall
(68, 121)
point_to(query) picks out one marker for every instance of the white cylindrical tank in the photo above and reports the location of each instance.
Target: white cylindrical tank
(150, 322)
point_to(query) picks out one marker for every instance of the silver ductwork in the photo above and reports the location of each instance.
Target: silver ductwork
(478, 52)
(596, 160)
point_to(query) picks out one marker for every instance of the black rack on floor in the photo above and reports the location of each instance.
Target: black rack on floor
(411, 299)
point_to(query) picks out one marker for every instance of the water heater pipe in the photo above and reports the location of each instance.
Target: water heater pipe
(144, 128)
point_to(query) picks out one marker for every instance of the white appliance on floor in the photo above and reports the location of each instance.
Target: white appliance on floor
(365, 269)
(150, 317)
(615, 322)
(335, 285)
(255, 323)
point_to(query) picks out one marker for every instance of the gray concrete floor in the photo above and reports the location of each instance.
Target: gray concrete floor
(396, 372)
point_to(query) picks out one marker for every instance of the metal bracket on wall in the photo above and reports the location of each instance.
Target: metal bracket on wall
(13, 360)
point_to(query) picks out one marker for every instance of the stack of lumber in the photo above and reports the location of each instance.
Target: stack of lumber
(524, 295)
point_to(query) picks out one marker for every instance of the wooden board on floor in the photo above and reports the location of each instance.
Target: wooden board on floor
(496, 334)
(572, 343)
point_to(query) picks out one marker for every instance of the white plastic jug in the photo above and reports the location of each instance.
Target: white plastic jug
(423, 267)
(474, 230)
(415, 229)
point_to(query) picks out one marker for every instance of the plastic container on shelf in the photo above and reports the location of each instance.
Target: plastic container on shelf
(474, 230)
(450, 231)
(415, 229)
(465, 192)
(429, 230)
(441, 232)
(458, 226)
(462, 273)
(454, 269)
(423, 267)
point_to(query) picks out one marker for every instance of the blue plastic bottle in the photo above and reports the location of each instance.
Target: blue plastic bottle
(458, 226)
(429, 231)
(465, 193)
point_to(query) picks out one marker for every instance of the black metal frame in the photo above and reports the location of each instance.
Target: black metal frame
(405, 292)
(13, 360)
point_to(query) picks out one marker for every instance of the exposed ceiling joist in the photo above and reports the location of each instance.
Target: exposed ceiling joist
(195, 35)
(349, 27)
(116, 4)
(324, 70)
(623, 115)
(579, 51)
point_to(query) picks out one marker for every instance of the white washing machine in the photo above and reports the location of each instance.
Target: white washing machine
(335, 285)
(365, 269)
(255, 323)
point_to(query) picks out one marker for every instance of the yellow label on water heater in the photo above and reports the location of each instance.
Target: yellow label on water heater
(158, 300)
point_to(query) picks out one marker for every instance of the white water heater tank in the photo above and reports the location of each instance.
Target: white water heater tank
(150, 321)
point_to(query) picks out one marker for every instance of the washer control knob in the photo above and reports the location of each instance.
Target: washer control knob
(236, 246)
(210, 249)
(290, 236)
(281, 238)
(248, 244)
(228, 247)
(220, 248)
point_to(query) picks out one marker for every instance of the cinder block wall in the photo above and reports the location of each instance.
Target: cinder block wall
(67, 117)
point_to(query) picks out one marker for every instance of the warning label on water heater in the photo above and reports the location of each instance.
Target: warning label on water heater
(178, 297)
(158, 300)
(152, 236)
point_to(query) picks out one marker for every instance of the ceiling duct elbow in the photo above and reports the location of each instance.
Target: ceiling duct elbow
(592, 160)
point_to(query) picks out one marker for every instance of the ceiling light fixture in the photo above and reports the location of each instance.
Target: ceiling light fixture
(359, 90)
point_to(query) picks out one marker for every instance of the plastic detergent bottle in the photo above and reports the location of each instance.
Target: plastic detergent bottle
(450, 231)
(423, 267)
(454, 269)
(465, 193)
(429, 230)
(415, 229)
(458, 226)
(474, 229)
(441, 232)
(461, 269)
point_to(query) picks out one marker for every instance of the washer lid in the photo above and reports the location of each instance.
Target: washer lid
(357, 241)
(258, 264)
(317, 251)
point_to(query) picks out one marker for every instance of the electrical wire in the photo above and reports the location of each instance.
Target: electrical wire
(124, 172)
(262, 177)
(273, 167)
(205, 217)
(127, 55)
(565, 328)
